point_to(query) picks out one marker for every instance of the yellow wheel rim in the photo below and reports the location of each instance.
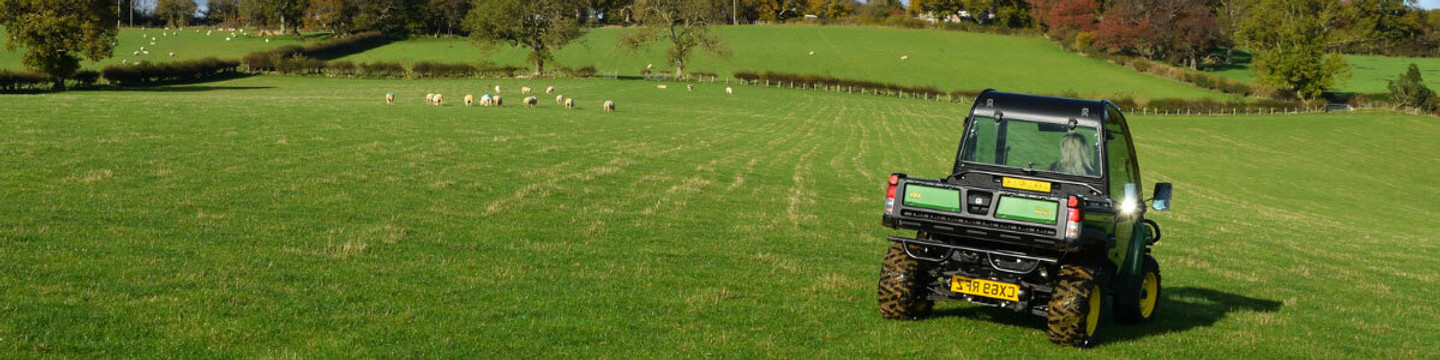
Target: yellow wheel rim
(1092, 320)
(1148, 289)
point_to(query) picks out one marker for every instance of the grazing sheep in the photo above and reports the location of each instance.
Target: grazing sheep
(439, 100)
(136, 53)
(267, 41)
(429, 98)
(172, 54)
(390, 98)
(469, 99)
(142, 48)
(126, 61)
(550, 90)
(905, 57)
(531, 101)
(487, 100)
(689, 87)
(525, 90)
(812, 52)
(662, 87)
(207, 33)
(609, 106)
(227, 39)
(498, 101)
(649, 66)
(729, 91)
(497, 89)
(145, 52)
(560, 99)
(569, 103)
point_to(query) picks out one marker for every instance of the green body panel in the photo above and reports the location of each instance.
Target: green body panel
(932, 198)
(1040, 211)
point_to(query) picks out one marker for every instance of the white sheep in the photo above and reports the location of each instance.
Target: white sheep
(729, 90)
(227, 39)
(649, 66)
(430, 99)
(497, 89)
(525, 90)
(904, 57)
(662, 87)
(560, 99)
(145, 52)
(136, 53)
(267, 41)
(487, 100)
(172, 54)
(531, 101)
(142, 48)
(469, 99)
(550, 90)
(499, 101)
(390, 98)
(126, 61)
(569, 103)
(609, 106)
(689, 87)
(439, 100)
(812, 52)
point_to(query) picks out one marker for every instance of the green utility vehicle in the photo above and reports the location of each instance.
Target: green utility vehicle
(1041, 214)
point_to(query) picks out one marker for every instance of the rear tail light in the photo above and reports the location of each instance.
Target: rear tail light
(890, 194)
(1072, 218)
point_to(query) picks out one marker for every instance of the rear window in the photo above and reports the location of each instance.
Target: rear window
(1030, 145)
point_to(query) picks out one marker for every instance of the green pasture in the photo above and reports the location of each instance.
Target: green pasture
(1369, 73)
(946, 59)
(187, 44)
(292, 217)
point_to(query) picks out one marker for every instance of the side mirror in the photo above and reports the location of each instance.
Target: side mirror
(1162, 197)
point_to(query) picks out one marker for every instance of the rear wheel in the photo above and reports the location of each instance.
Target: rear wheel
(1076, 308)
(1141, 305)
(902, 285)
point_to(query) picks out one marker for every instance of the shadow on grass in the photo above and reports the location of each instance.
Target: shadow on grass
(1180, 309)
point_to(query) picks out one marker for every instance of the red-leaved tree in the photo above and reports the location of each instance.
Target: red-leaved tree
(1065, 18)
(1179, 31)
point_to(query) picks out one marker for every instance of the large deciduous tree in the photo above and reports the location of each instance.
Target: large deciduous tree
(1289, 39)
(543, 26)
(176, 12)
(333, 15)
(1179, 31)
(1065, 18)
(57, 33)
(685, 23)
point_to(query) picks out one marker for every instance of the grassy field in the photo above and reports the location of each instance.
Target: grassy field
(1370, 74)
(187, 44)
(287, 217)
(950, 60)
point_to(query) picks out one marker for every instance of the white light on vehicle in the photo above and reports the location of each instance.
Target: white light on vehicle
(1128, 206)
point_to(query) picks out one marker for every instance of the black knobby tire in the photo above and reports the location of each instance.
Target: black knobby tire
(902, 286)
(1141, 305)
(1076, 308)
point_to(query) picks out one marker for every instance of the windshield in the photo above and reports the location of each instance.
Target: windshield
(1032, 145)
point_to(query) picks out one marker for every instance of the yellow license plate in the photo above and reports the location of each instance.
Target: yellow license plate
(1024, 184)
(985, 288)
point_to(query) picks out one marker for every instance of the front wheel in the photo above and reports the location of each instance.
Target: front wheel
(1076, 308)
(902, 286)
(1140, 306)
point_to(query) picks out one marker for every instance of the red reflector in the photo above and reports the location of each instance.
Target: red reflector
(1073, 201)
(894, 179)
(890, 192)
(1074, 215)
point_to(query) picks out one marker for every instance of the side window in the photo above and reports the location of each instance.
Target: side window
(1122, 164)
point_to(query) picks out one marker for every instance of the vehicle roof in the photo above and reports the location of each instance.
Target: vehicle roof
(1039, 108)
